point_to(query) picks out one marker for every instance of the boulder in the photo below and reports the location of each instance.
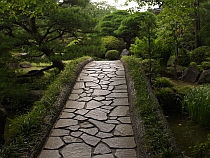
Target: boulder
(204, 77)
(190, 74)
(3, 116)
(25, 65)
(124, 52)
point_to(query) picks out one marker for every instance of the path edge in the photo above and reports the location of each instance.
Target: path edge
(57, 109)
(138, 124)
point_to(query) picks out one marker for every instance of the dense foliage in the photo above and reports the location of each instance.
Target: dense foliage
(25, 129)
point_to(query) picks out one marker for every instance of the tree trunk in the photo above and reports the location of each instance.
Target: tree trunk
(197, 23)
(3, 117)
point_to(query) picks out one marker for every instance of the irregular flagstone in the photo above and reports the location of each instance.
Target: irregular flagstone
(65, 123)
(86, 125)
(74, 127)
(91, 84)
(99, 98)
(123, 130)
(67, 115)
(107, 107)
(69, 110)
(104, 110)
(85, 78)
(101, 148)
(99, 92)
(76, 134)
(91, 140)
(120, 91)
(77, 91)
(80, 118)
(104, 135)
(107, 103)
(120, 142)
(104, 156)
(75, 105)
(120, 73)
(120, 111)
(103, 127)
(79, 85)
(125, 153)
(74, 97)
(70, 139)
(118, 82)
(91, 131)
(81, 112)
(93, 104)
(121, 101)
(85, 99)
(54, 143)
(50, 153)
(120, 87)
(102, 82)
(124, 119)
(118, 95)
(95, 122)
(76, 150)
(59, 132)
(112, 121)
(97, 114)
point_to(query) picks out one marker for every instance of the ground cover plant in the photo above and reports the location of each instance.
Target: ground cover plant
(29, 129)
(158, 141)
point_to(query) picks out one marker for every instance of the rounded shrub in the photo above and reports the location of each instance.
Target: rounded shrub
(184, 58)
(163, 82)
(112, 55)
(205, 65)
(113, 43)
(200, 54)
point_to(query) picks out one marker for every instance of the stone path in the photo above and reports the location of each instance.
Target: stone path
(95, 121)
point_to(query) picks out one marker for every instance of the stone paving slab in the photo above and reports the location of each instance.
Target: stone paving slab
(95, 122)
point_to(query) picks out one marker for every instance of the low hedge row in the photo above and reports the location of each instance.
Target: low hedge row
(28, 132)
(153, 136)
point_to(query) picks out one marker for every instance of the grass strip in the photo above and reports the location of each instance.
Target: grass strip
(153, 135)
(28, 131)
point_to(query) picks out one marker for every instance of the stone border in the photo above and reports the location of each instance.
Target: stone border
(138, 123)
(55, 111)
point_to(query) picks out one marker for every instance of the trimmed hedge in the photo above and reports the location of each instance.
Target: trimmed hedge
(28, 132)
(112, 55)
(150, 126)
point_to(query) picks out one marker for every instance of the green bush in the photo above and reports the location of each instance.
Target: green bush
(197, 103)
(163, 82)
(205, 65)
(184, 58)
(112, 55)
(163, 51)
(157, 138)
(200, 54)
(199, 67)
(113, 43)
(26, 130)
(155, 66)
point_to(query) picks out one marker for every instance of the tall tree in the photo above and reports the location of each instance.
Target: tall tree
(111, 22)
(40, 25)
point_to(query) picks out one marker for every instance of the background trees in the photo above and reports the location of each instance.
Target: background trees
(39, 26)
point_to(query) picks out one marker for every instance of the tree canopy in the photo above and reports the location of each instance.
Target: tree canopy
(40, 25)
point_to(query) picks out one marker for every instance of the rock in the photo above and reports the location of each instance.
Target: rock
(3, 116)
(190, 74)
(13, 65)
(204, 77)
(124, 52)
(25, 65)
